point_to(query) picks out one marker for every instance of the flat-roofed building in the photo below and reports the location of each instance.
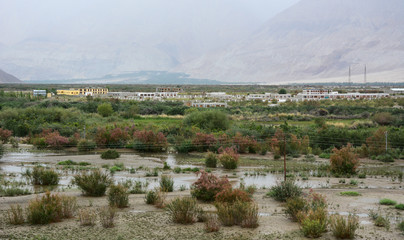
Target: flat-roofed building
(168, 89)
(83, 91)
(208, 104)
(36, 93)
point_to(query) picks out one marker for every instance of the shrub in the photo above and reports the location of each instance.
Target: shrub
(203, 141)
(284, 190)
(250, 219)
(107, 216)
(212, 224)
(383, 118)
(183, 210)
(87, 217)
(376, 143)
(325, 155)
(400, 226)
(166, 183)
(312, 228)
(211, 160)
(230, 195)
(110, 154)
(45, 210)
(55, 141)
(148, 141)
(344, 161)
(209, 120)
(105, 109)
(240, 213)
(344, 228)
(386, 201)
(114, 138)
(86, 145)
(399, 206)
(184, 146)
(118, 196)
(151, 197)
(160, 199)
(294, 206)
(350, 193)
(207, 186)
(94, 183)
(228, 157)
(15, 215)
(313, 222)
(69, 206)
(42, 176)
(381, 221)
(5, 135)
(385, 158)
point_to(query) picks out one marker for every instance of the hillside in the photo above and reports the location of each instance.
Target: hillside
(8, 78)
(311, 40)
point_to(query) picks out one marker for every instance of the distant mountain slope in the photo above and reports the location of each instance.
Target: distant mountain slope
(313, 39)
(8, 78)
(113, 37)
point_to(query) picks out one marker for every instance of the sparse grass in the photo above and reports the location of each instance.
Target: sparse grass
(284, 190)
(118, 196)
(350, 193)
(183, 210)
(386, 201)
(15, 215)
(344, 228)
(107, 216)
(94, 183)
(166, 183)
(87, 217)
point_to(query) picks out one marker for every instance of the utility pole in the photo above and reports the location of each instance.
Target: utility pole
(365, 75)
(386, 139)
(284, 157)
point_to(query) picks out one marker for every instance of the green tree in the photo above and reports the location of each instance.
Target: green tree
(105, 109)
(282, 91)
(209, 120)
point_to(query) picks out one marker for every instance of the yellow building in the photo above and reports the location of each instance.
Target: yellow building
(82, 91)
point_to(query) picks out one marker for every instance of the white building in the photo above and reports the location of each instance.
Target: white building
(208, 104)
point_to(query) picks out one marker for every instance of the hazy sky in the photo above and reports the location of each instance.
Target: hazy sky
(61, 19)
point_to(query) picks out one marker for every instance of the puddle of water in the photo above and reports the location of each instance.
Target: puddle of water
(153, 182)
(270, 180)
(12, 169)
(261, 214)
(172, 162)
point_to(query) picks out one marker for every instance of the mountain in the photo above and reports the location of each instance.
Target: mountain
(314, 39)
(56, 40)
(8, 78)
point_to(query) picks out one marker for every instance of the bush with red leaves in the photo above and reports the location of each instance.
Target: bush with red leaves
(207, 186)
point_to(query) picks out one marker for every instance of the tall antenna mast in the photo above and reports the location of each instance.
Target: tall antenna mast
(349, 75)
